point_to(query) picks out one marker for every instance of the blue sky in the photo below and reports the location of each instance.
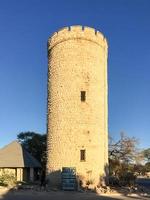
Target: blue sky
(24, 29)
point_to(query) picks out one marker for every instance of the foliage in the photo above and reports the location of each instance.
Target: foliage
(147, 167)
(127, 178)
(35, 144)
(139, 169)
(113, 180)
(114, 166)
(122, 156)
(146, 154)
(124, 149)
(122, 173)
(7, 179)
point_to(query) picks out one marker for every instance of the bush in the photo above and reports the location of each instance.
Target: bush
(127, 179)
(7, 179)
(113, 181)
(123, 179)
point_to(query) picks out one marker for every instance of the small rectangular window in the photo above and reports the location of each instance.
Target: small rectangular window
(83, 95)
(82, 155)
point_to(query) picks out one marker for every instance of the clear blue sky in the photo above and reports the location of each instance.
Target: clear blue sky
(25, 26)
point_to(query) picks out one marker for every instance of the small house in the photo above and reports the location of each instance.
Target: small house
(16, 160)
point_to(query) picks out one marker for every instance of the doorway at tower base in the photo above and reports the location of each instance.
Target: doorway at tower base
(68, 179)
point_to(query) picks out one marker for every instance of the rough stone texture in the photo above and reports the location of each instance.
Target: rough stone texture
(77, 61)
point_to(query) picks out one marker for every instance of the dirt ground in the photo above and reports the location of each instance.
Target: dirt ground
(61, 195)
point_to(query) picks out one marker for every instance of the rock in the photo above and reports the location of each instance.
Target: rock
(91, 187)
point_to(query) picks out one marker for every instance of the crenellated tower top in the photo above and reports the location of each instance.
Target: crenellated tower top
(77, 32)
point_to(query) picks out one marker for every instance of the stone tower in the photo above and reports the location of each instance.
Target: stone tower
(77, 103)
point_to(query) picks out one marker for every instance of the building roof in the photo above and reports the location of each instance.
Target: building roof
(14, 155)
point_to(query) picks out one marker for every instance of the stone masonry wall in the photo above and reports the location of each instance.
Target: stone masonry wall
(77, 61)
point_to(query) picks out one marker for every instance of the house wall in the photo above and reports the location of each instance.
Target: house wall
(19, 174)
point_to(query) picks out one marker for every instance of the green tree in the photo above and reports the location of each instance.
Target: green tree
(147, 167)
(146, 154)
(35, 144)
(139, 169)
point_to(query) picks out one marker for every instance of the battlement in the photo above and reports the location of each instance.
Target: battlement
(77, 32)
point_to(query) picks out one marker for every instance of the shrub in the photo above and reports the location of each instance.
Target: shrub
(113, 181)
(7, 179)
(127, 178)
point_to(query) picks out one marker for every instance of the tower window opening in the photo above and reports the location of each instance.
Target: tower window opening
(82, 155)
(83, 95)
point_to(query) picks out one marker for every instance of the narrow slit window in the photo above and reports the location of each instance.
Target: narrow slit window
(83, 95)
(82, 155)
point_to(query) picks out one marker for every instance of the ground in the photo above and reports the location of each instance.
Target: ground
(61, 195)
(32, 194)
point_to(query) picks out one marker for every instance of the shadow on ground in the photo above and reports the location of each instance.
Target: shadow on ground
(60, 195)
(52, 195)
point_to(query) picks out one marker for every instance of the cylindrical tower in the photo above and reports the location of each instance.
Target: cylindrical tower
(77, 103)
